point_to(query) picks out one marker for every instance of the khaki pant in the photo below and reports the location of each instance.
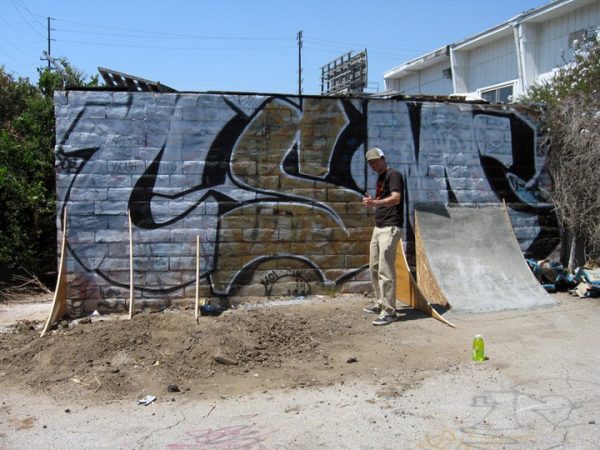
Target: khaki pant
(384, 244)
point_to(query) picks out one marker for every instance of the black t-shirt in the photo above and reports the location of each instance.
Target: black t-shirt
(387, 183)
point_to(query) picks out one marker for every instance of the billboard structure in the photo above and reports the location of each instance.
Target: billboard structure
(345, 75)
(114, 79)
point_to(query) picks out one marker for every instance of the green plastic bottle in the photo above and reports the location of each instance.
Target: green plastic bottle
(478, 348)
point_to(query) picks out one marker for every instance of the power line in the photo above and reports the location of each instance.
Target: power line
(120, 44)
(8, 69)
(330, 48)
(140, 33)
(10, 41)
(13, 58)
(382, 55)
(175, 35)
(19, 62)
(132, 33)
(23, 17)
(99, 35)
(32, 14)
(320, 41)
(7, 49)
(22, 44)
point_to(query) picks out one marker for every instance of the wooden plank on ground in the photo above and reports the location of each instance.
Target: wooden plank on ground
(59, 303)
(131, 286)
(197, 304)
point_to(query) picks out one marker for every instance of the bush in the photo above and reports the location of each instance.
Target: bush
(572, 126)
(27, 189)
(27, 181)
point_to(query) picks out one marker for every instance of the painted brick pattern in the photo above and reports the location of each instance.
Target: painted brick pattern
(272, 185)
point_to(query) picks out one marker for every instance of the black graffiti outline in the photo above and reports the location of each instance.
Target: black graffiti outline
(245, 273)
(213, 178)
(503, 180)
(85, 154)
(218, 169)
(276, 196)
(143, 190)
(272, 278)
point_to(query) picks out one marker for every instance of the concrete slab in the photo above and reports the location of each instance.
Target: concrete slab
(470, 258)
(10, 313)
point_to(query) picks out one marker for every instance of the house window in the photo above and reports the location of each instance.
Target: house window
(576, 36)
(502, 94)
(580, 36)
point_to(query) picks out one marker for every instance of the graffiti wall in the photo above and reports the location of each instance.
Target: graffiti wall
(271, 186)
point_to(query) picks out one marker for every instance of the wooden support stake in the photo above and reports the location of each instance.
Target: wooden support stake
(197, 275)
(130, 267)
(59, 304)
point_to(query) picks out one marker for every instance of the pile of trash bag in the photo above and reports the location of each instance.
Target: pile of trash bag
(554, 277)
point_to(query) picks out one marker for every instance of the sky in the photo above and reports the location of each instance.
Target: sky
(238, 45)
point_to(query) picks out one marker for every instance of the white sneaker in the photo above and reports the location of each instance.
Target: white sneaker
(386, 319)
(375, 309)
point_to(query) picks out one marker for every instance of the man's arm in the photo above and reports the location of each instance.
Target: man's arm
(391, 200)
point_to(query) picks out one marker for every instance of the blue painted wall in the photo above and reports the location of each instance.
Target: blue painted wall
(272, 185)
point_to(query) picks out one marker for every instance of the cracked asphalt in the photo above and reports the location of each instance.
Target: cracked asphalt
(539, 389)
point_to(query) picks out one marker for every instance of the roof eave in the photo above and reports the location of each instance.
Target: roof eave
(420, 63)
(503, 30)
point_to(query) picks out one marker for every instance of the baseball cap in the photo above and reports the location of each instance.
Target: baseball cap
(374, 153)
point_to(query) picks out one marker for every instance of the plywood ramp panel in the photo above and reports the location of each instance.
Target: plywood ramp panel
(407, 290)
(59, 303)
(425, 277)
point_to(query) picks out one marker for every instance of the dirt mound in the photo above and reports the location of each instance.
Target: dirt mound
(243, 349)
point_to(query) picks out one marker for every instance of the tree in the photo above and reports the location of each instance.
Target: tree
(27, 183)
(50, 81)
(571, 123)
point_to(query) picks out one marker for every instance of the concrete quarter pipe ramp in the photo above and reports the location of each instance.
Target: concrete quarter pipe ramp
(470, 259)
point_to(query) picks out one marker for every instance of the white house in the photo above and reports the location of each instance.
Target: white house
(500, 63)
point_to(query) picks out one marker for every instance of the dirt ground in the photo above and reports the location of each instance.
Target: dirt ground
(285, 373)
(285, 344)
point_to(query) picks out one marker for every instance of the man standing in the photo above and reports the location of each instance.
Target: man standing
(386, 236)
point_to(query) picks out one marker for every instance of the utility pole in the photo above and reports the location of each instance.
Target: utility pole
(46, 56)
(299, 36)
(49, 39)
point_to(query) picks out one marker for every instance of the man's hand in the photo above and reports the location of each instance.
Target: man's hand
(368, 201)
(393, 199)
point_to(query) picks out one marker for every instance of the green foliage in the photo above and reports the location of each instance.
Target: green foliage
(27, 196)
(27, 183)
(580, 77)
(50, 81)
(571, 122)
(13, 96)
